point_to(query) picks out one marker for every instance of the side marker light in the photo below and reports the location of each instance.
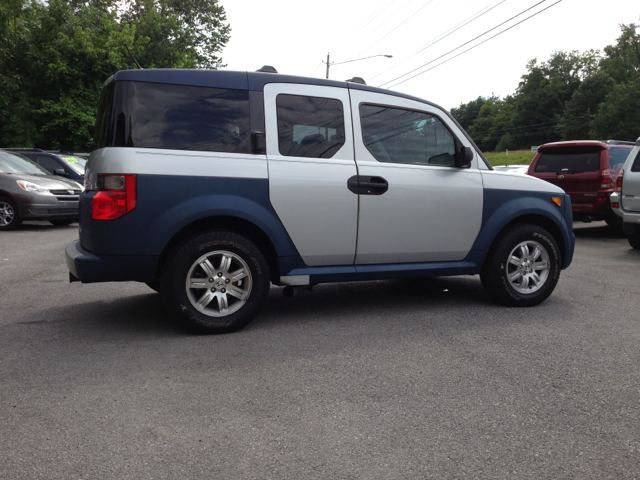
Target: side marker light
(557, 201)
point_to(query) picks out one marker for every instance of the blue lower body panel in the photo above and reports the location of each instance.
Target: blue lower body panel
(470, 266)
(90, 268)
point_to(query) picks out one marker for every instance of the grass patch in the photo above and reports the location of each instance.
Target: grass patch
(516, 158)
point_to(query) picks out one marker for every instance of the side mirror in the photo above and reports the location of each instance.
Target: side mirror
(464, 157)
(60, 172)
(90, 146)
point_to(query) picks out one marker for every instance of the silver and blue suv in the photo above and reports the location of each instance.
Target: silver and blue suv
(210, 185)
(625, 201)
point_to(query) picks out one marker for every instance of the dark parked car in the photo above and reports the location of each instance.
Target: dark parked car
(587, 171)
(58, 163)
(29, 192)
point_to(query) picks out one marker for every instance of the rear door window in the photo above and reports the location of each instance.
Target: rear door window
(573, 162)
(311, 127)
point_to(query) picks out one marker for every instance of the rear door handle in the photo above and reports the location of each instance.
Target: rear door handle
(367, 185)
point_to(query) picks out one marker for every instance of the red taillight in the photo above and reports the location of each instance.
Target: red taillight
(615, 204)
(619, 182)
(607, 181)
(116, 196)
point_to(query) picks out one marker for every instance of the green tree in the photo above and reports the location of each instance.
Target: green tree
(622, 60)
(466, 113)
(619, 115)
(583, 105)
(55, 56)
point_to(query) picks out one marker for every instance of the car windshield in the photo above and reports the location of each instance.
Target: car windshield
(617, 157)
(14, 163)
(74, 163)
(574, 162)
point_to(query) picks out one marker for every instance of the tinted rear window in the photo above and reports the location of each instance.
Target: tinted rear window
(103, 119)
(179, 117)
(576, 162)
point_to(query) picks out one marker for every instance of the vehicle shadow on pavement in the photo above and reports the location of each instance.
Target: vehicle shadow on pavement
(599, 232)
(134, 315)
(375, 298)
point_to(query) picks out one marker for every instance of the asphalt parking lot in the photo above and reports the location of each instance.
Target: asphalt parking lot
(391, 379)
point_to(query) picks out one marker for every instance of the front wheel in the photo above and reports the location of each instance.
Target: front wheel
(9, 218)
(215, 282)
(522, 267)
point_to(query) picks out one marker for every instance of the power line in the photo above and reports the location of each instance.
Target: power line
(399, 25)
(442, 36)
(471, 48)
(460, 46)
(374, 17)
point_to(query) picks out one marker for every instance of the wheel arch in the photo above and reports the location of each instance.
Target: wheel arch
(228, 222)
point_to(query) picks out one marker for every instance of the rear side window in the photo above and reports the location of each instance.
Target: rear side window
(403, 136)
(311, 127)
(179, 117)
(636, 163)
(101, 135)
(617, 157)
(575, 162)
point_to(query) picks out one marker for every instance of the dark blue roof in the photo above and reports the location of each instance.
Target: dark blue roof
(240, 80)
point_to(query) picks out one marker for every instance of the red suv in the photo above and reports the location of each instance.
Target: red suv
(586, 170)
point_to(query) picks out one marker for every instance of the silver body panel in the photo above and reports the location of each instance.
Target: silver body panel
(497, 180)
(152, 161)
(429, 213)
(310, 195)
(630, 197)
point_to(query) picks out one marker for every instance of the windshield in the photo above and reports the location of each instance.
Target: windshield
(14, 163)
(74, 163)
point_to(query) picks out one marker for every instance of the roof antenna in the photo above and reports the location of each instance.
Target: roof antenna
(132, 57)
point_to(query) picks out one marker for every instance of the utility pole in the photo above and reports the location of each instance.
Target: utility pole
(328, 64)
(349, 61)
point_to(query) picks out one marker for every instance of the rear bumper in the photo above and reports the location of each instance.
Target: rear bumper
(631, 219)
(90, 268)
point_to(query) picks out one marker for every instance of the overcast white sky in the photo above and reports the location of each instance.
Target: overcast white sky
(294, 36)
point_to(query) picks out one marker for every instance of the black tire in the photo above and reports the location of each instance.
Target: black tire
(497, 267)
(185, 262)
(9, 217)
(62, 223)
(154, 285)
(634, 240)
(614, 221)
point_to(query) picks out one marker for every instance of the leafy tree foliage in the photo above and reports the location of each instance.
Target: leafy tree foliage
(572, 95)
(55, 56)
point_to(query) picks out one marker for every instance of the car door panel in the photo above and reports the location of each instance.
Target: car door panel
(428, 213)
(310, 195)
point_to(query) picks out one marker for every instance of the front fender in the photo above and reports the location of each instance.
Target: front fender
(502, 207)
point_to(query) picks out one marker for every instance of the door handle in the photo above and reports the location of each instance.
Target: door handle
(367, 185)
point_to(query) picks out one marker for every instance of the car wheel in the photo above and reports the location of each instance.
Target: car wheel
(634, 240)
(614, 221)
(62, 223)
(215, 282)
(522, 267)
(154, 285)
(9, 218)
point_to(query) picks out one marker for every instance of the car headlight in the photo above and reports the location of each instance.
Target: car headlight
(31, 187)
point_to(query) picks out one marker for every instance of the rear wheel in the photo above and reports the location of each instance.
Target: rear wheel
(215, 282)
(634, 240)
(523, 266)
(9, 218)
